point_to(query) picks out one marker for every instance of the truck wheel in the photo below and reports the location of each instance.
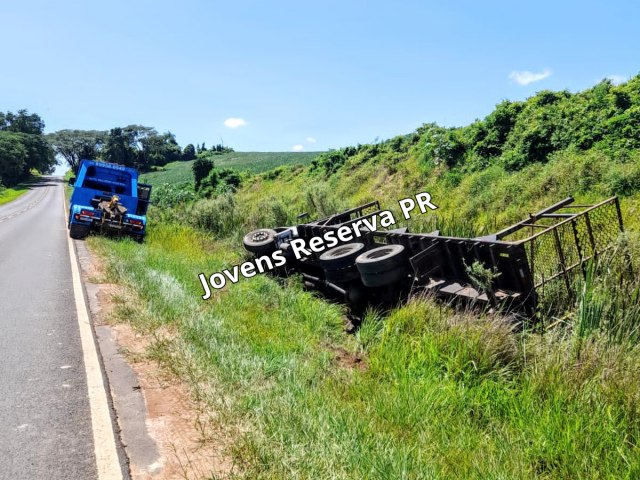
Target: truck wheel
(342, 256)
(78, 231)
(382, 266)
(261, 241)
(381, 259)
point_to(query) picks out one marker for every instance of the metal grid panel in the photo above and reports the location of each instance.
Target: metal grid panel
(560, 252)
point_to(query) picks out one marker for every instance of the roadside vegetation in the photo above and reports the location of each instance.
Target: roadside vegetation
(24, 151)
(9, 194)
(423, 391)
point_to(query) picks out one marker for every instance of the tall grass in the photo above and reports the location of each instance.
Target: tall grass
(423, 392)
(609, 296)
(434, 393)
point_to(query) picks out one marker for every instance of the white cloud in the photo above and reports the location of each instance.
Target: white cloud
(235, 122)
(311, 140)
(297, 148)
(617, 79)
(525, 77)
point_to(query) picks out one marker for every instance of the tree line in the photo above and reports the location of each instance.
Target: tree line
(133, 146)
(23, 147)
(605, 117)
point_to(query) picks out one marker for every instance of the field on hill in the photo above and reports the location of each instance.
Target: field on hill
(254, 162)
(424, 391)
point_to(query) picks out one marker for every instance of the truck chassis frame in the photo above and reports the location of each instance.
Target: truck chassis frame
(538, 256)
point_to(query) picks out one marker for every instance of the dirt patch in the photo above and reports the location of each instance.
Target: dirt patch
(346, 359)
(187, 446)
(186, 443)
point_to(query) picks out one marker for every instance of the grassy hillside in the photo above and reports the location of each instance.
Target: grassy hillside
(425, 391)
(254, 162)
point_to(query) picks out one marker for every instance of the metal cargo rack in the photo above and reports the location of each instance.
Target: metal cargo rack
(525, 260)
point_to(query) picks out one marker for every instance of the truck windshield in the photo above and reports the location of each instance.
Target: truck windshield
(107, 180)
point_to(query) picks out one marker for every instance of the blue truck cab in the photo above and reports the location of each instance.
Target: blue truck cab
(108, 198)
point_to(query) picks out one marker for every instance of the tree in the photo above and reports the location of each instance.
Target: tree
(189, 152)
(172, 149)
(140, 147)
(157, 150)
(75, 145)
(201, 169)
(219, 180)
(491, 134)
(13, 158)
(220, 148)
(23, 147)
(40, 155)
(119, 147)
(22, 122)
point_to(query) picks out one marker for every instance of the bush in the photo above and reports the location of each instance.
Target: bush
(170, 195)
(320, 202)
(329, 162)
(624, 179)
(218, 215)
(219, 180)
(273, 174)
(201, 169)
(442, 145)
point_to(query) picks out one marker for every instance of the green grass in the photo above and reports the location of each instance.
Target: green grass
(436, 393)
(255, 162)
(9, 194)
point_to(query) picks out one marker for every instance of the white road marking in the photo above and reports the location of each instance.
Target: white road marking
(64, 367)
(103, 437)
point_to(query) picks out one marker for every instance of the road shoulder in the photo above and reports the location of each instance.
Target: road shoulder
(160, 426)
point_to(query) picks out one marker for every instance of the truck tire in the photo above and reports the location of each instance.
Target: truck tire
(381, 259)
(260, 242)
(382, 266)
(341, 256)
(79, 231)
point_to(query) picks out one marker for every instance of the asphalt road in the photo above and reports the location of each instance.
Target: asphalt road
(45, 419)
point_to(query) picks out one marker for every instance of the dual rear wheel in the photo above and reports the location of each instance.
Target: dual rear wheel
(377, 267)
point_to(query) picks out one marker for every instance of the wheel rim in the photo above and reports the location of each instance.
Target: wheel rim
(260, 236)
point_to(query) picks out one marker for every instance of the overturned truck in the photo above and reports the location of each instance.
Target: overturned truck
(513, 269)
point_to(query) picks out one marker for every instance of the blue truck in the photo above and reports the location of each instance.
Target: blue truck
(107, 198)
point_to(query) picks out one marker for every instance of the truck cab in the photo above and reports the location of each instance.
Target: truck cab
(108, 198)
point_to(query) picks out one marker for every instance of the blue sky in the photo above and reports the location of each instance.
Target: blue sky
(314, 75)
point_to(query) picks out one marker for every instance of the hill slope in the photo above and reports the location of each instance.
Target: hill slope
(254, 162)
(423, 391)
(482, 176)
